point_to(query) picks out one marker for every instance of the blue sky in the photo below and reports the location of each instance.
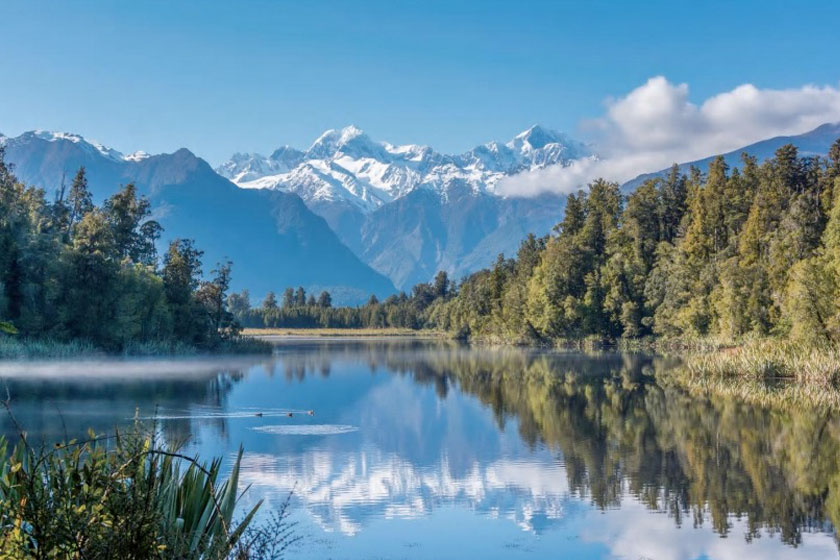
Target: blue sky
(219, 77)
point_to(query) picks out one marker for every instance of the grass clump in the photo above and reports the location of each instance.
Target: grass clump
(351, 332)
(19, 348)
(764, 372)
(16, 348)
(769, 359)
(782, 395)
(125, 497)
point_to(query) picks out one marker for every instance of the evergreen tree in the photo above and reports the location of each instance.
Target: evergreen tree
(288, 298)
(79, 199)
(181, 279)
(269, 303)
(324, 300)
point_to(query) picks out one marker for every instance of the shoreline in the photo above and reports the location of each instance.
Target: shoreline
(282, 332)
(14, 348)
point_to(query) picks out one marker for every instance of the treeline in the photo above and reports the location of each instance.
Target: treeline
(296, 310)
(71, 270)
(728, 253)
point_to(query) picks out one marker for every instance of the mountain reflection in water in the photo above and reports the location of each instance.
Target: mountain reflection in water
(513, 452)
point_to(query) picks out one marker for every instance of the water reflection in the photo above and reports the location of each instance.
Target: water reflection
(591, 452)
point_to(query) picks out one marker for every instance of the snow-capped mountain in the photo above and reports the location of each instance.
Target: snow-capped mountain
(409, 211)
(346, 166)
(89, 146)
(274, 240)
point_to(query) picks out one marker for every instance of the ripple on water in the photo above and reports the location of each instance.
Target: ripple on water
(306, 429)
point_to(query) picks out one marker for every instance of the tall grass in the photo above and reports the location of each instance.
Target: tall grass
(351, 332)
(13, 348)
(17, 348)
(765, 372)
(769, 359)
(785, 395)
(125, 496)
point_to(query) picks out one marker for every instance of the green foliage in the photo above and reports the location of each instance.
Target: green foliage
(121, 497)
(754, 250)
(728, 253)
(628, 426)
(72, 271)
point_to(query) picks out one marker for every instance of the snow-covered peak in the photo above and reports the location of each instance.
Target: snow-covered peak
(88, 145)
(346, 165)
(139, 155)
(242, 168)
(54, 136)
(350, 140)
(538, 137)
(287, 154)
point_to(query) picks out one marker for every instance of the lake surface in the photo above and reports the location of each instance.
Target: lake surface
(429, 449)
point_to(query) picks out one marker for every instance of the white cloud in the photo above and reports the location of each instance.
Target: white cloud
(656, 125)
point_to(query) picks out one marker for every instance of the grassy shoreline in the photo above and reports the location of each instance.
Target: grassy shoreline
(766, 371)
(333, 332)
(769, 359)
(15, 348)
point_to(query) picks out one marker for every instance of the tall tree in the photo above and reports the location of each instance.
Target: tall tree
(181, 279)
(300, 297)
(288, 298)
(325, 300)
(269, 303)
(79, 199)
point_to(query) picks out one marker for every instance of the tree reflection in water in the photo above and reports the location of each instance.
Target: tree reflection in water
(618, 431)
(621, 433)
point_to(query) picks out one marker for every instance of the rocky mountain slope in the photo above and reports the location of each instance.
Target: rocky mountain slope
(273, 238)
(408, 210)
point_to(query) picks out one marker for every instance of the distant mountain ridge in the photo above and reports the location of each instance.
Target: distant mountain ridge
(347, 166)
(409, 211)
(274, 240)
(347, 214)
(812, 143)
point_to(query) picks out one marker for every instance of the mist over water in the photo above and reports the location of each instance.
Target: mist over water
(428, 449)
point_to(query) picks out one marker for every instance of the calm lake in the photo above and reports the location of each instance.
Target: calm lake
(429, 449)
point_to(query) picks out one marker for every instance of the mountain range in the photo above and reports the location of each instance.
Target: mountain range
(812, 143)
(409, 211)
(348, 214)
(273, 238)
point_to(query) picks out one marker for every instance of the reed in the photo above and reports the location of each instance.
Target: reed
(769, 359)
(765, 372)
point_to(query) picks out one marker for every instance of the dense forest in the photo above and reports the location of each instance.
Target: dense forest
(296, 310)
(727, 253)
(74, 271)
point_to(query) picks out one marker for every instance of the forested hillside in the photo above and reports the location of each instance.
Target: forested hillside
(273, 238)
(735, 251)
(72, 271)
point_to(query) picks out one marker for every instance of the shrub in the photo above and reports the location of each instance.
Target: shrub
(124, 496)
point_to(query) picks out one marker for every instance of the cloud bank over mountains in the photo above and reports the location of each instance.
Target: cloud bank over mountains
(656, 125)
